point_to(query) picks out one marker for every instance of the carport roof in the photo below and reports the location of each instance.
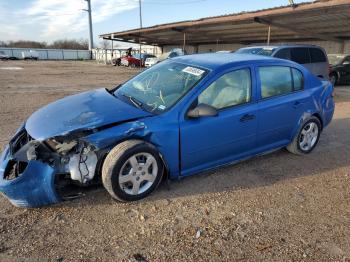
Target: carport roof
(326, 20)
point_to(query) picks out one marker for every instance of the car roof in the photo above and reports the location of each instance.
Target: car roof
(214, 61)
(281, 46)
(339, 54)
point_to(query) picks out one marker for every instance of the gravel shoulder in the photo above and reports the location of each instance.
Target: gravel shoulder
(277, 207)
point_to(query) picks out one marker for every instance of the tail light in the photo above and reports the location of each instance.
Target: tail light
(329, 69)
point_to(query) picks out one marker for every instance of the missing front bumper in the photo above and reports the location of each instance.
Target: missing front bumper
(33, 188)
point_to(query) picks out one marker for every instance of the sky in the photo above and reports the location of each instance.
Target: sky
(49, 20)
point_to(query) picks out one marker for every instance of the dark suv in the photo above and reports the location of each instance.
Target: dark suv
(312, 57)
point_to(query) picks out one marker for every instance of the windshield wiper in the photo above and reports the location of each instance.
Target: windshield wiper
(133, 100)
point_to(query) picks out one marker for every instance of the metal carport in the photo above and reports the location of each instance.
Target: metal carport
(319, 20)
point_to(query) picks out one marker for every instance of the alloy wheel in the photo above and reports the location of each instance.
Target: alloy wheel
(308, 136)
(138, 173)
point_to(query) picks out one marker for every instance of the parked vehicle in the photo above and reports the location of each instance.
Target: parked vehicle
(117, 61)
(173, 53)
(30, 55)
(312, 57)
(3, 56)
(178, 118)
(339, 68)
(135, 60)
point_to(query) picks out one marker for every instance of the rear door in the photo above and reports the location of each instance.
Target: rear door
(319, 63)
(281, 105)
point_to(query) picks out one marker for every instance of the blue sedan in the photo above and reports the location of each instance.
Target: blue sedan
(178, 118)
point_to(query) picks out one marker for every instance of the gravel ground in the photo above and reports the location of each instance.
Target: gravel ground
(278, 207)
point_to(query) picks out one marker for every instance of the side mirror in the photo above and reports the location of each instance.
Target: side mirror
(202, 110)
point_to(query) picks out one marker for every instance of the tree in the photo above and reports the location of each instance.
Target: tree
(105, 44)
(81, 44)
(70, 44)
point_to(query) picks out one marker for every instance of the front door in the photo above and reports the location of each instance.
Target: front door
(207, 142)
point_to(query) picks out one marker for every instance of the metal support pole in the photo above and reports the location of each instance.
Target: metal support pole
(269, 36)
(184, 43)
(112, 50)
(140, 33)
(342, 47)
(91, 41)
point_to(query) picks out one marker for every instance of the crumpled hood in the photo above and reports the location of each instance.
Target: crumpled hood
(83, 111)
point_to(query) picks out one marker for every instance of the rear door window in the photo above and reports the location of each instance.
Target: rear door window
(298, 80)
(317, 55)
(300, 55)
(279, 80)
(275, 81)
(283, 54)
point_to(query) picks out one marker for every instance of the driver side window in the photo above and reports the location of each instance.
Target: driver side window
(231, 89)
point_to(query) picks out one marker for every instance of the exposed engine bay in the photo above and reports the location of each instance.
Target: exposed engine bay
(71, 159)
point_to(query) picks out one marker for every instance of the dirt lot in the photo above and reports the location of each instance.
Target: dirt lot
(278, 207)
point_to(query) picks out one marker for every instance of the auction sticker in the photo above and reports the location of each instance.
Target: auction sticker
(193, 71)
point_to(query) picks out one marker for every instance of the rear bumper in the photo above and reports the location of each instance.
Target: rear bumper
(35, 187)
(328, 111)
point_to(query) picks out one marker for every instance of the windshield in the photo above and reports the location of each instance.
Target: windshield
(256, 51)
(335, 59)
(160, 87)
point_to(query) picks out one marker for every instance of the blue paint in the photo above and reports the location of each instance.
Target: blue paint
(34, 188)
(83, 111)
(188, 146)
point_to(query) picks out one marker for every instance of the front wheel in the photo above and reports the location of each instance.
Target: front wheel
(307, 138)
(132, 170)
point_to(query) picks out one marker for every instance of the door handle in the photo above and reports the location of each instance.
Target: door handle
(247, 117)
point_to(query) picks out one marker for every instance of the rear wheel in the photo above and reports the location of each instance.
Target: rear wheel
(307, 138)
(132, 170)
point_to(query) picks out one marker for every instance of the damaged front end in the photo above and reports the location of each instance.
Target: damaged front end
(35, 173)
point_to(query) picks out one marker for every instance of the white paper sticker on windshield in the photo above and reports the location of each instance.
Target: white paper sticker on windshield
(161, 107)
(193, 71)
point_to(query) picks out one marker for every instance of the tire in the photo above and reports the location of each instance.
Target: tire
(305, 141)
(333, 78)
(132, 65)
(119, 177)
